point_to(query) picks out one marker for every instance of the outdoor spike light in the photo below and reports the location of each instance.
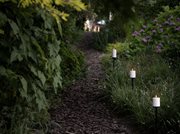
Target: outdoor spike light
(132, 76)
(114, 56)
(156, 105)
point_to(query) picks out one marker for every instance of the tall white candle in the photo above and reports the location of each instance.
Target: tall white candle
(132, 74)
(114, 53)
(156, 101)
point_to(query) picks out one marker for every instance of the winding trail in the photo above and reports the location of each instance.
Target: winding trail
(82, 110)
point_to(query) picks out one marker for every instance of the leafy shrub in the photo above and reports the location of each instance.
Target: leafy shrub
(161, 35)
(71, 33)
(99, 40)
(30, 69)
(149, 9)
(29, 58)
(72, 63)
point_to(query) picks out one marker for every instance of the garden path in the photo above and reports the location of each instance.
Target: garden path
(83, 109)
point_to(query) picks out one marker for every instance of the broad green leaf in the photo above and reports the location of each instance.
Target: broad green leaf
(40, 98)
(32, 55)
(38, 47)
(58, 60)
(42, 77)
(57, 82)
(39, 74)
(24, 46)
(53, 49)
(23, 90)
(33, 70)
(15, 55)
(14, 26)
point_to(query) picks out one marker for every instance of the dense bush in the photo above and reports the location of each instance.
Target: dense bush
(148, 9)
(99, 40)
(107, 35)
(71, 64)
(30, 70)
(161, 35)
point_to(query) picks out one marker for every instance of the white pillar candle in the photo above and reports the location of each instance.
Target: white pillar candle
(114, 53)
(156, 101)
(132, 74)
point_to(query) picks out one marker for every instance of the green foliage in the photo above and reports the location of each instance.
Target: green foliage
(149, 9)
(123, 49)
(122, 12)
(72, 59)
(105, 36)
(30, 57)
(153, 77)
(100, 40)
(123, 8)
(28, 65)
(72, 63)
(161, 35)
(147, 51)
(71, 32)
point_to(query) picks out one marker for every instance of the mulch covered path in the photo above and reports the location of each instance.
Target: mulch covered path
(82, 110)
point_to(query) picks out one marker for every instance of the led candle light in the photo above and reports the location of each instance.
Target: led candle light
(132, 74)
(156, 105)
(156, 101)
(114, 53)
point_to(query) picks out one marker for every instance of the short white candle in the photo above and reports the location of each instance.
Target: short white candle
(132, 74)
(114, 53)
(156, 101)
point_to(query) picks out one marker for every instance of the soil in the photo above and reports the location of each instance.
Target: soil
(83, 109)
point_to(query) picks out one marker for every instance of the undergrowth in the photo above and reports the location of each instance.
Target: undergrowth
(154, 77)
